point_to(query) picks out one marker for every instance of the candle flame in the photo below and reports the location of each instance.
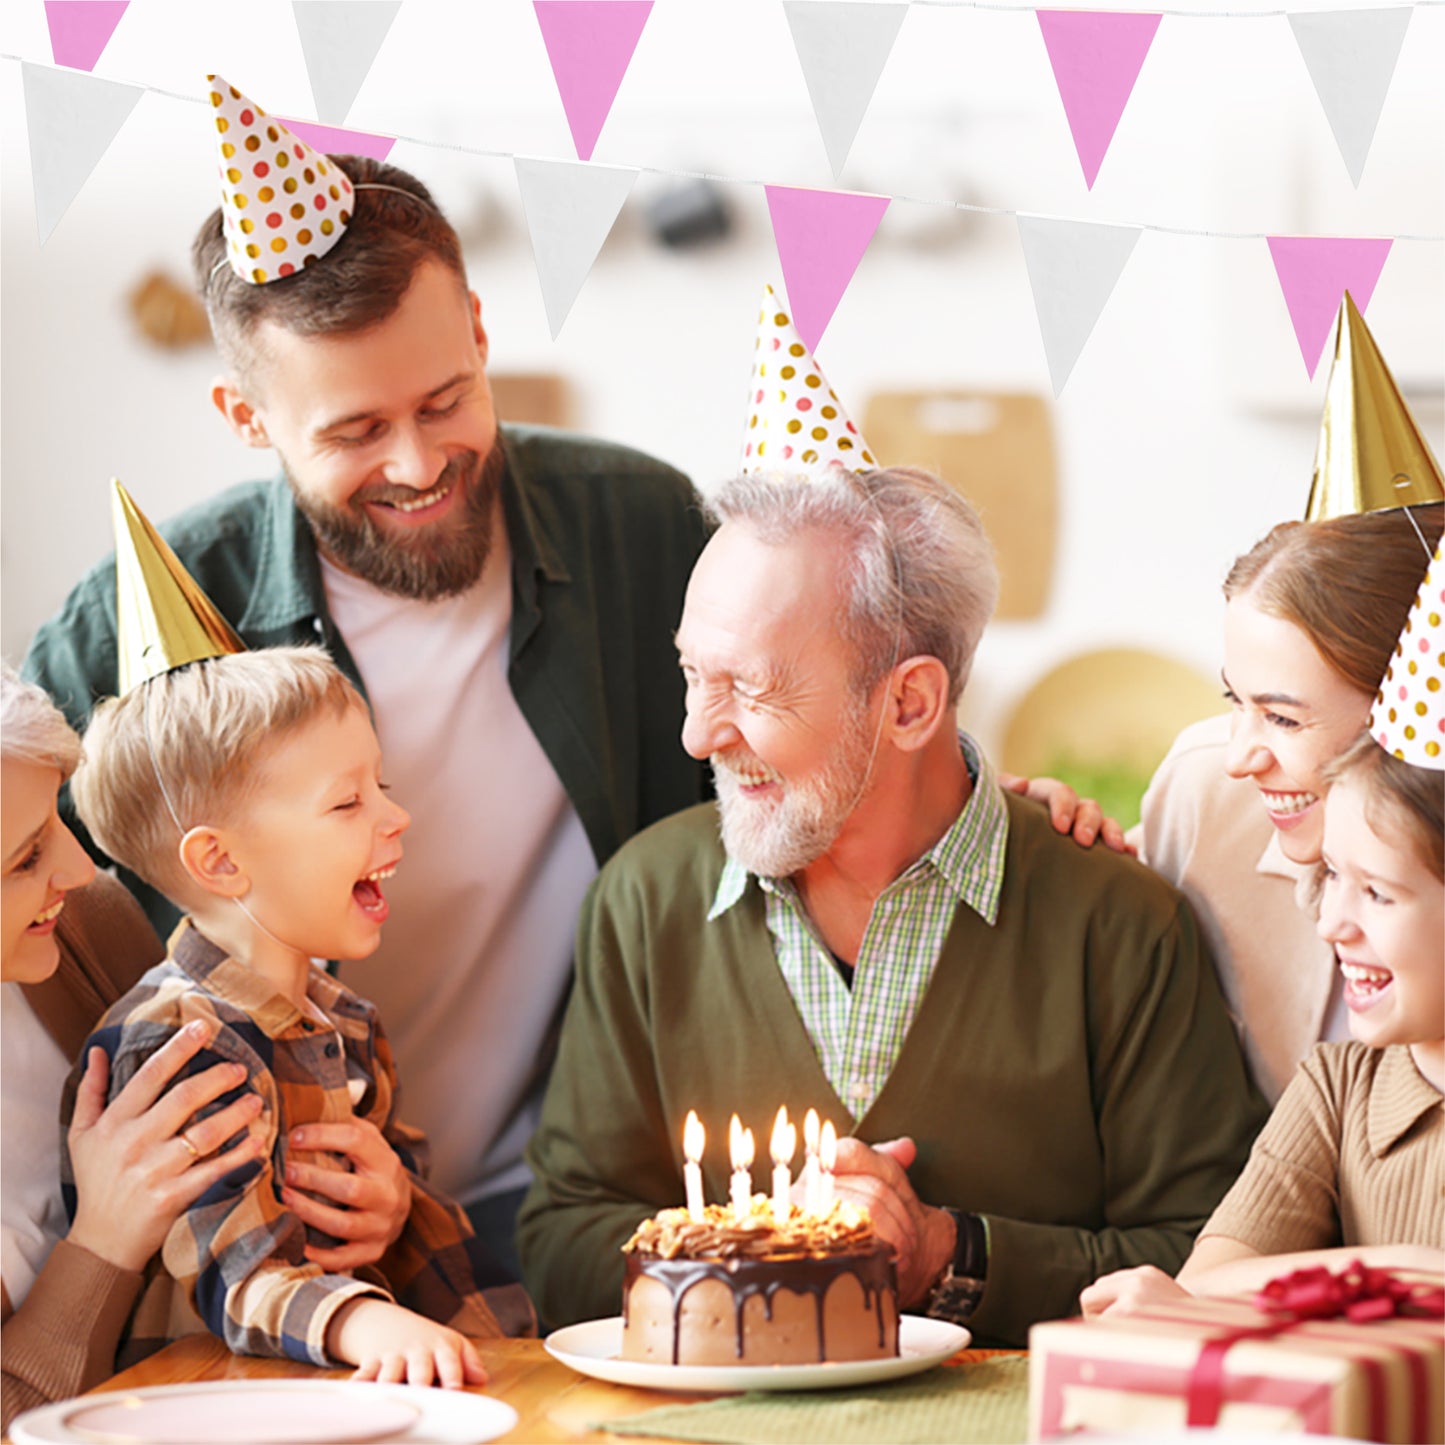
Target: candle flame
(740, 1145)
(810, 1131)
(694, 1138)
(828, 1147)
(784, 1143)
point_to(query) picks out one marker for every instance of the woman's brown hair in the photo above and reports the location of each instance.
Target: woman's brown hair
(1346, 583)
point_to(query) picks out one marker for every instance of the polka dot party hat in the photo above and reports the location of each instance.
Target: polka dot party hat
(1408, 718)
(282, 204)
(795, 421)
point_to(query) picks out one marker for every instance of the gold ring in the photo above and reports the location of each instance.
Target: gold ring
(186, 1140)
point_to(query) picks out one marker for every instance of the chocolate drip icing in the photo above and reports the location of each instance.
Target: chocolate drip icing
(812, 1274)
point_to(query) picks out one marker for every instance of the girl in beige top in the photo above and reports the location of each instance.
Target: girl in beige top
(1350, 1163)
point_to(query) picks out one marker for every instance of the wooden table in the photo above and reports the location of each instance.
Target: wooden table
(552, 1402)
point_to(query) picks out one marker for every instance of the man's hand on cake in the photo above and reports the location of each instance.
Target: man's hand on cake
(372, 1200)
(923, 1237)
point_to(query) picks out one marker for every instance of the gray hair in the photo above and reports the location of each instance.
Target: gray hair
(920, 578)
(32, 728)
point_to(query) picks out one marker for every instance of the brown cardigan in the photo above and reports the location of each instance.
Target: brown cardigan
(63, 1338)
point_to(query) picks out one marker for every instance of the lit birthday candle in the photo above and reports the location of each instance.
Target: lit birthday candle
(740, 1148)
(782, 1147)
(811, 1178)
(694, 1140)
(827, 1160)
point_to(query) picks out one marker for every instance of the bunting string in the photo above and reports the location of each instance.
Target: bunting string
(996, 5)
(1013, 213)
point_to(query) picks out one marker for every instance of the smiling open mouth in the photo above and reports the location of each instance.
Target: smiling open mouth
(48, 915)
(1364, 983)
(421, 500)
(1287, 805)
(367, 892)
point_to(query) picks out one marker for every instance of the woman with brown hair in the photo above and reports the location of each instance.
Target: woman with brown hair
(1233, 816)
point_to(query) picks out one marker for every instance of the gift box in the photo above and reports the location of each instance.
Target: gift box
(1243, 1364)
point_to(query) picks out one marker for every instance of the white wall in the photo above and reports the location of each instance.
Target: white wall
(1188, 426)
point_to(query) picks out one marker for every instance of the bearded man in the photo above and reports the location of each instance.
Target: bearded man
(504, 596)
(1023, 1040)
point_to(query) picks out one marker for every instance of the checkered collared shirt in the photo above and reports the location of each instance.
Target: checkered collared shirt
(859, 1032)
(234, 1262)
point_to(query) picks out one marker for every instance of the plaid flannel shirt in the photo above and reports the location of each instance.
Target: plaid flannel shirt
(234, 1262)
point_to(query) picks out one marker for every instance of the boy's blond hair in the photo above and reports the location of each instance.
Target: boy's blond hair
(211, 724)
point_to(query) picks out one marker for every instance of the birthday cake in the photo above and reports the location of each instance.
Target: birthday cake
(758, 1291)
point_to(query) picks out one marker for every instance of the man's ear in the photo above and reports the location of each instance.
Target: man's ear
(479, 331)
(206, 857)
(918, 701)
(241, 416)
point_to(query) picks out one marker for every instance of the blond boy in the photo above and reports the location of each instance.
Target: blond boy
(248, 790)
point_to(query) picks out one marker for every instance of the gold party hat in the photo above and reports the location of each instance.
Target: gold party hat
(162, 619)
(1371, 455)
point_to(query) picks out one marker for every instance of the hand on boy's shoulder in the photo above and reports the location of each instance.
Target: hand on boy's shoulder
(364, 1208)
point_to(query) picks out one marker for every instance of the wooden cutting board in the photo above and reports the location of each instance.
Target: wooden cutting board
(996, 448)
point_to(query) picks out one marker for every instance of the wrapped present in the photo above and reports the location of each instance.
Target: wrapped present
(1359, 1354)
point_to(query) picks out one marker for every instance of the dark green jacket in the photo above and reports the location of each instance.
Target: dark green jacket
(1071, 1075)
(603, 540)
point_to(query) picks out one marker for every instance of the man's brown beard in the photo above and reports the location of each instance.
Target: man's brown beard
(431, 563)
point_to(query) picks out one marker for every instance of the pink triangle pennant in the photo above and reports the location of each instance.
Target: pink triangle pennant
(821, 237)
(79, 29)
(1314, 274)
(1096, 56)
(590, 45)
(334, 140)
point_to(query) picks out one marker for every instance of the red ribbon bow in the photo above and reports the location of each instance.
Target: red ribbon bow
(1358, 1293)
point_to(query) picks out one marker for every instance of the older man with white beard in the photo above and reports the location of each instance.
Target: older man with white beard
(1023, 1040)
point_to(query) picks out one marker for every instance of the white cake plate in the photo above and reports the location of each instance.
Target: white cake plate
(593, 1349)
(268, 1412)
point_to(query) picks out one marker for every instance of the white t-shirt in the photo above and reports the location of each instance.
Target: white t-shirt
(32, 1074)
(477, 953)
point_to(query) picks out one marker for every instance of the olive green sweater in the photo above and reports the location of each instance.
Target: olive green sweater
(1071, 1075)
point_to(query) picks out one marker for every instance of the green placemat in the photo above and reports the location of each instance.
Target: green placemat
(979, 1403)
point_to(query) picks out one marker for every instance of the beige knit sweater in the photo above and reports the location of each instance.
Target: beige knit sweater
(1354, 1154)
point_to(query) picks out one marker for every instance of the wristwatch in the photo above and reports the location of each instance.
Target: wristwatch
(959, 1288)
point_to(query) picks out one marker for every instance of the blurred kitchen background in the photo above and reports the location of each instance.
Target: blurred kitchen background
(1186, 430)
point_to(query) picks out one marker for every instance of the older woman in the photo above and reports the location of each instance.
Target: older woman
(69, 946)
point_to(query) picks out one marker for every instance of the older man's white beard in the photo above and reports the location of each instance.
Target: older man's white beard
(775, 838)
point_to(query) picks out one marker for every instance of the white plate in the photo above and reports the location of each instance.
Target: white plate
(593, 1349)
(266, 1412)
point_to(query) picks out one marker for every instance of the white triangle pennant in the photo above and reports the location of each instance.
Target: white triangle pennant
(570, 208)
(842, 46)
(340, 40)
(1351, 57)
(1073, 268)
(72, 117)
